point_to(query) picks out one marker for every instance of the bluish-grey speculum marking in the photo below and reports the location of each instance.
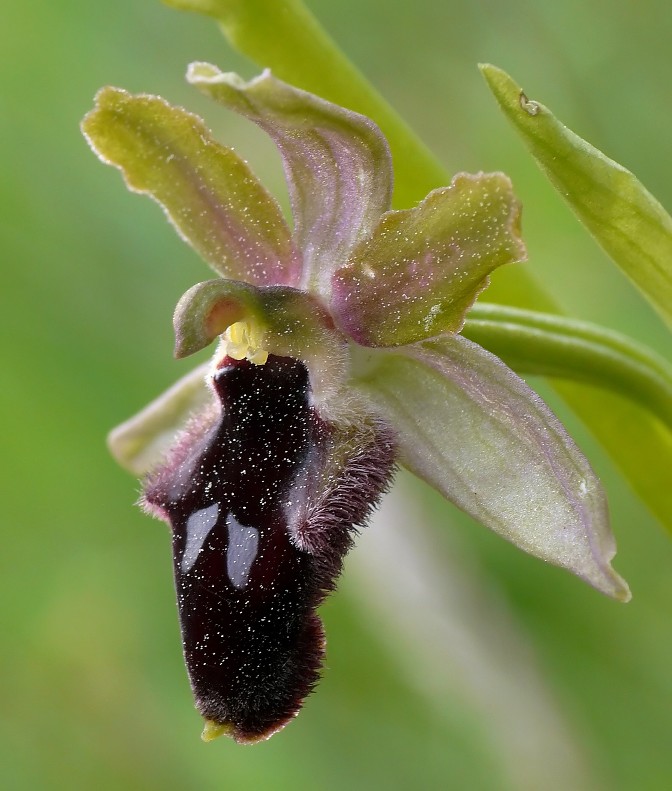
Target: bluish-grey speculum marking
(199, 524)
(241, 551)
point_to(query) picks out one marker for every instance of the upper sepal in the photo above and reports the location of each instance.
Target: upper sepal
(422, 269)
(475, 431)
(337, 163)
(209, 194)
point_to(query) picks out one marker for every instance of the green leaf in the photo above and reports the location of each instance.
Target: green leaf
(472, 429)
(422, 268)
(626, 220)
(209, 194)
(639, 442)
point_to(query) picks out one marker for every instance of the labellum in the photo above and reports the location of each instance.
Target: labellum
(263, 496)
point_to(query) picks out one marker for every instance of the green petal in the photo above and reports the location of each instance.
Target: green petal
(141, 442)
(422, 269)
(476, 432)
(210, 195)
(207, 309)
(629, 223)
(337, 164)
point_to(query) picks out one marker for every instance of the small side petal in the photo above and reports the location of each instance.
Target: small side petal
(476, 432)
(284, 321)
(337, 163)
(207, 309)
(422, 269)
(210, 195)
(140, 443)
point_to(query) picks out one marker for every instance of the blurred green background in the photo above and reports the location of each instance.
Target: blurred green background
(454, 661)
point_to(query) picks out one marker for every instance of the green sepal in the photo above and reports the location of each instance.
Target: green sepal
(284, 35)
(209, 194)
(337, 164)
(141, 442)
(476, 432)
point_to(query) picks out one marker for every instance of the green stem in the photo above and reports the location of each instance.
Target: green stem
(554, 346)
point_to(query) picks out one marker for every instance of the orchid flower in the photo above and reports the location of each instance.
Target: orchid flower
(339, 357)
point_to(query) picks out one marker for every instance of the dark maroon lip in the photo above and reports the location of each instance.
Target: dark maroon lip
(262, 511)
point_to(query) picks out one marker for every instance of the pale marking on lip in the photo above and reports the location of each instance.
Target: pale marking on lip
(199, 525)
(241, 551)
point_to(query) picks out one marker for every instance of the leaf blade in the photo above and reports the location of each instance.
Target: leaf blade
(621, 214)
